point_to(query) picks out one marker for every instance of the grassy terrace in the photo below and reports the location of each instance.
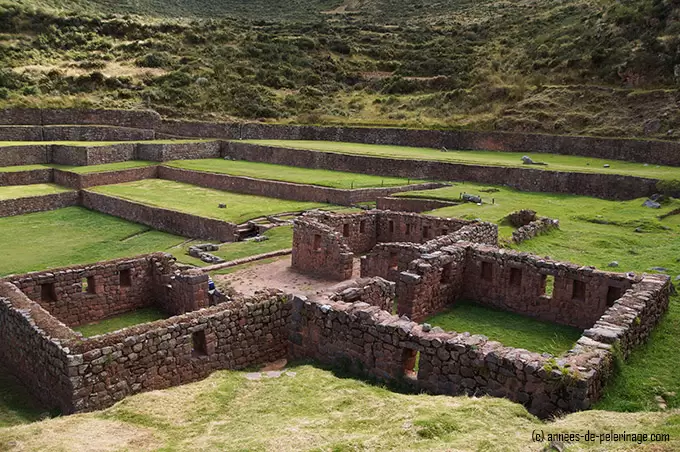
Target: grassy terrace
(25, 191)
(94, 143)
(489, 158)
(597, 232)
(72, 236)
(202, 201)
(324, 178)
(11, 169)
(81, 169)
(137, 317)
(513, 330)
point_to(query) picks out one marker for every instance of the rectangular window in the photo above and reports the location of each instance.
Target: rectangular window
(199, 346)
(345, 230)
(487, 271)
(515, 277)
(126, 278)
(48, 292)
(87, 285)
(391, 226)
(578, 290)
(447, 273)
(317, 242)
(408, 229)
(362, 226)
(613, 294)
(445, 231)
(426, 232)
(547, 285)
(410, 359)
(394, 261)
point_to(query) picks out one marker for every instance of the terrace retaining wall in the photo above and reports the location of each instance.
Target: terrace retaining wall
(140, 119)
(92, 155)
(178, 151)
(28, 177)
(80, 181)
(24, 155)
(95, 133)
(171, 221)
(416, 205)
(20, 206)
(606, 186)
(21, 133)
(170, 128)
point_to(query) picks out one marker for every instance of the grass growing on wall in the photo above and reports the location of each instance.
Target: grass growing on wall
(202, 201)
(25, 191)
(598, 232)
(555, 162)
(513, 330)
(136, 317)
(324, 178)
(72, 236)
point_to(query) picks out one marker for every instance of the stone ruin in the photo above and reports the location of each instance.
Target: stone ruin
(414, 264)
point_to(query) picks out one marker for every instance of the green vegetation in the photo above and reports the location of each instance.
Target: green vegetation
(10, 169)
(73, 236)
(106, 167)
(137, 317)
(597, 232)
(317, 410)
(280, 238)
(555, 162)
(25, 191)
(93, 143)
(324, 178)
(17, 406)
(510, 329)
(202, 201)
(463, 64)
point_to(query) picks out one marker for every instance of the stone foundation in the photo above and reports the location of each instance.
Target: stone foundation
(30, 204)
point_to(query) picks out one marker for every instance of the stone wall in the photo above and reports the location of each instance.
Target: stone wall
(606, 186)
(80, 181)
(374, 291)
(21, 133)
(170, 128)
(92, 155)
(20, 206)
(321, 251)
(536, 227)
(95, 133)
(416, 205)
(140, 119)
(284, 190)
(179, 223)
(24, 155)
(39, 176)
(178, 151)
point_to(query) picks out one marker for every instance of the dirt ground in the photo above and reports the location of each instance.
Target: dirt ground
(279, 275)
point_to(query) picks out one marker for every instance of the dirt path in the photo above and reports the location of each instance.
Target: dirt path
(278, 275)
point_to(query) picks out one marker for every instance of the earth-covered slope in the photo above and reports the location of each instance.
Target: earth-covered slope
(575, 66)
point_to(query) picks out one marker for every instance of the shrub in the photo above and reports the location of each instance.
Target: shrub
(154, 60)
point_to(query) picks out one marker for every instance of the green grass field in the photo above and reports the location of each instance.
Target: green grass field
(202, 201)
(597, 232)
(510, 329)
(137, 317)
(11, 169)
(279, 238)
(25, 191)
(72, 236)
(490, 158)
(106, 167)
(324, 178)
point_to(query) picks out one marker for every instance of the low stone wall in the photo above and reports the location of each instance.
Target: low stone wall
(21, 133)
(284, 190)
(605, 186)
(162, 219)
(20, 116)
(40, 176)
(178, 151)
(92, 155)
(192, 129)
(20, 206)
(95, 133)
(536, 227)
(79, 181)
(140, 119)
(374, 291)
(415, 205)
(319, 250)
(24, 155)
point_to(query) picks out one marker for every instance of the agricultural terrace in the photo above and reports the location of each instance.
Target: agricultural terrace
(202, 201)
(90, 144)
(555, 162)
(324, 178)
(25, 191)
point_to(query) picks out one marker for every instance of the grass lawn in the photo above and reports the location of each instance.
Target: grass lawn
(72, 236)
(280, 238)
(490, 158)
(597, 232)
(324, 178)
(25, 191)
(17, 405)
(11, 169)
(94, 143)
(106, 167)
(510, 329)
(315, 409)
(137, 317)
(202, 201)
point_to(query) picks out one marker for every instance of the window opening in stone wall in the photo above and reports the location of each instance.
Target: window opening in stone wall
(408, 229)
(411, 360)
(578, 290)
(515, 277)
(613, 294)
(362, 226)
(198, 344)
(445, 231)
(394, 260)
(48, 292)
(317, 242)
(426, 232)
(345, 230)
(391, 226)
(125, 278)
(547, 285)
(447, 273)
(87, 285)
(487, 271)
